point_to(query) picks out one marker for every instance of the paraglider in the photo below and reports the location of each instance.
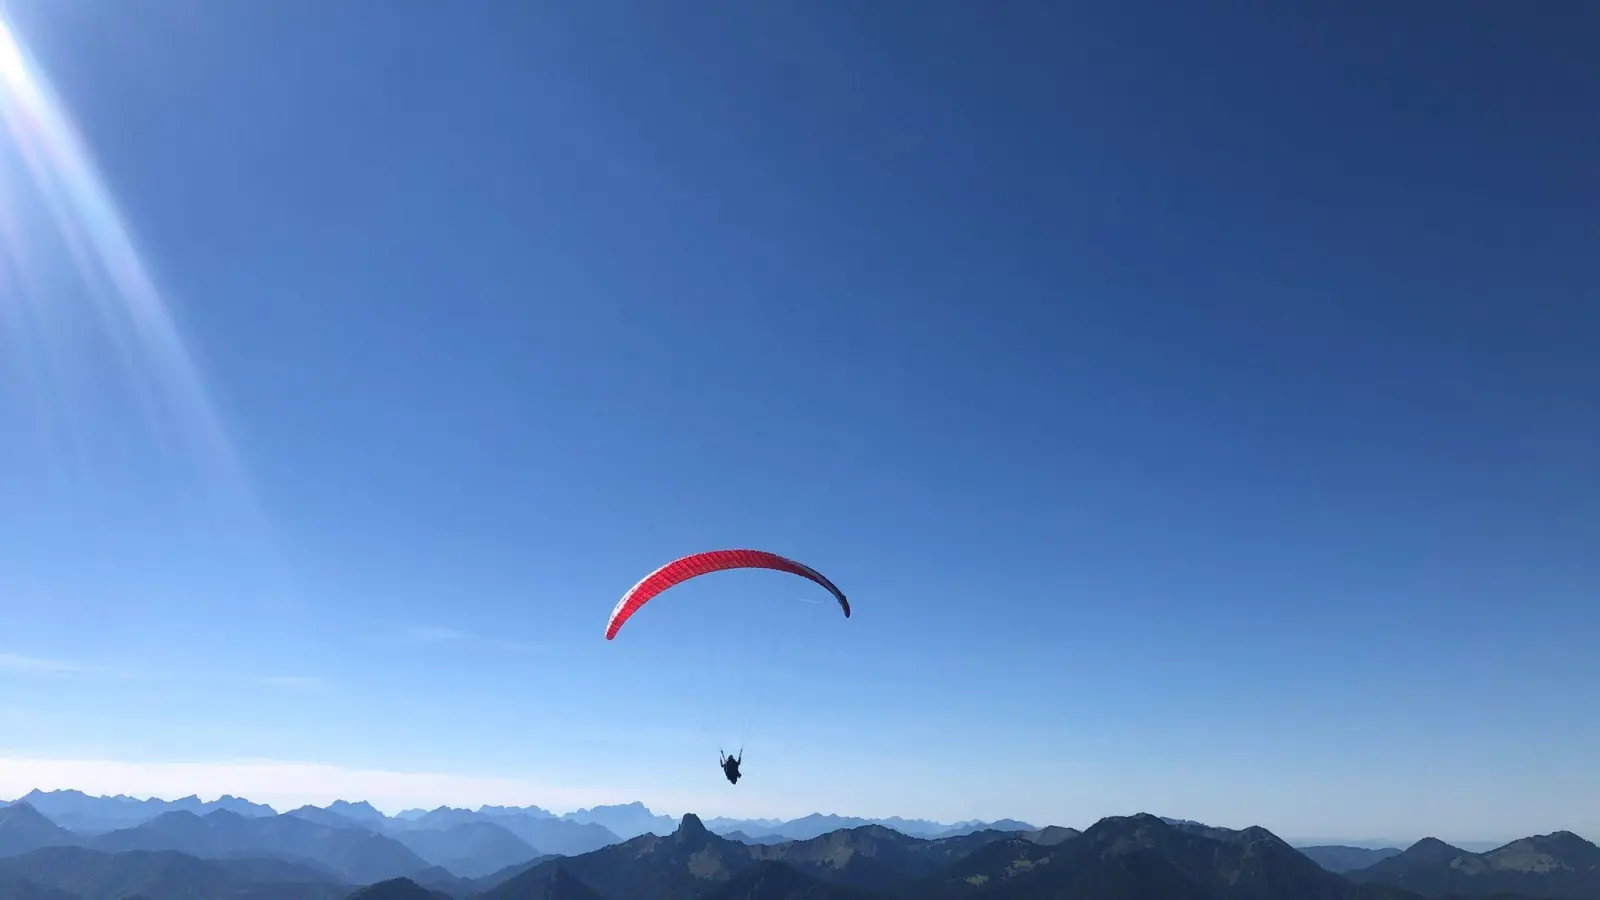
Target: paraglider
(730, 766)
(695, 565)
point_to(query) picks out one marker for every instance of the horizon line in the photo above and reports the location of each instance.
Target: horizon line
(1305, 841)
(552, 812)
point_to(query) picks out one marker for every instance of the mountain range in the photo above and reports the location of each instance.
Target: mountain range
(232, 848)
(1119, 858)
(569, 833)
(84, 814)
(1558, 865)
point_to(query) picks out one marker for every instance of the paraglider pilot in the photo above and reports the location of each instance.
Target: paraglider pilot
(730, 766)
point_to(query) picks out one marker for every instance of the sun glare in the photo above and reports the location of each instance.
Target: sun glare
(155, 362)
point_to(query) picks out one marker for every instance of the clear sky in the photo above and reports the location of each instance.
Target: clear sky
(1200, 404)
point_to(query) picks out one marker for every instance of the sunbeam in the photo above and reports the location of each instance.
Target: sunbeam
(131, 313)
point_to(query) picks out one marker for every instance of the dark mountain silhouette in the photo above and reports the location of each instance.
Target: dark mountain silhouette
(693, 861)
(231, 850)
(444, 881)
(553, 881)
(84, 814)
(1050, 835)
(470, 849)
(397, 889)
(15, 888)
(1426, 852)
(1121, 858)
(23, 828)
(163, 875)
(684, 865)
(986, 868)
(1343, 859)
(359, 856)
(437, 878)
(1201, 829)
(873, 856)
(772, 880)
(1144, 856)
(1558, 865)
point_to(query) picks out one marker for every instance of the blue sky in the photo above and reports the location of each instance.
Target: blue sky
(1197, 404)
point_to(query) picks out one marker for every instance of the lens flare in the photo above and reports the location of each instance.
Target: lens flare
(129, 311)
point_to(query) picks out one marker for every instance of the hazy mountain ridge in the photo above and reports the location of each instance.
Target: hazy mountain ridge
(359, 856)
(85, 814)
(23, 828)
(326, 853)
(817, 824)
(470, 849)
(539, 829)
(743, 838)
(1341, 859)
(569, 833)
(160, 875)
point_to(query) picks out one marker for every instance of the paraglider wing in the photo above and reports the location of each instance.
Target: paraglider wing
(681, 570)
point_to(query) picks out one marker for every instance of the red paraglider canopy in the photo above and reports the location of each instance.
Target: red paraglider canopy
(681, 570)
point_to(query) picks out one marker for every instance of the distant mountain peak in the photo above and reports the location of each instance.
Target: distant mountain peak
(1563, 839)
(360, 811)
(1545, 853)
(558, 883)
(64, 792)
(22, 810)
(536, 811)
(1050, 835)
(1141, 820)
(1431, 848)
(1257, 833)
(362, 805)
(635, 806)
(23, 828)
(691, 826)
(397, 889)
